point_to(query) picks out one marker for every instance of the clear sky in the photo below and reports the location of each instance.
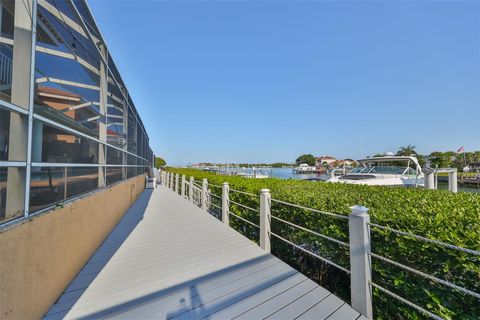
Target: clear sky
(265, 81)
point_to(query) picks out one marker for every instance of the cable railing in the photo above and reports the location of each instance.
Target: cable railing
(312, 253)
(311, 231)
(339, 216)
(358, 244)
(244, 220)
(440, 243)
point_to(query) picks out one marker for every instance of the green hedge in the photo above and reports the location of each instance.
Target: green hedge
(436, 214)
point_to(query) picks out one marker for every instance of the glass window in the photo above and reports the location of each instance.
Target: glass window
(67, 69)
(132, 134)
(114, 174)
(54, 145)
(47, 187)
(3, 192)
(7, 14)
(114, 156)
(81, 180)
(11, 192)
(115, 116)
(13, 143)
(51, 185)
(87, 18)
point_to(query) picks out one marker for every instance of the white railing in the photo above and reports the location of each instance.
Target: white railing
(359, 244)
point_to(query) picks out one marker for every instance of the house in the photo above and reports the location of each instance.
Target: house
(322, 160)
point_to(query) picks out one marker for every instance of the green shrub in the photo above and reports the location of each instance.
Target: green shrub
(449, 217)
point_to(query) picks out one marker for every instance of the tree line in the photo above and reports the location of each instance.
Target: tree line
(447, 159)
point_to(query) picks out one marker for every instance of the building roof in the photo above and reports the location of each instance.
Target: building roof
(57, 92)
(326, 158)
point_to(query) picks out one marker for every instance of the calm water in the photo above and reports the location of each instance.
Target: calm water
(287, 173)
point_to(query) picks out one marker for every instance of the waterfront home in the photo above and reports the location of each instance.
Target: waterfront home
(320, 161)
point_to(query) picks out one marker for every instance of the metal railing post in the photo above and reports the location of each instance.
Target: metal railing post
(171, 180)
(204, 194)
(265, 202)
(182, 189)
(168, 180)
(225, 203)
(360, 261)
(177, 178)
(190, 190)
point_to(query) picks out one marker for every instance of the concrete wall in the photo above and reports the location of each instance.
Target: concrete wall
(39, 258)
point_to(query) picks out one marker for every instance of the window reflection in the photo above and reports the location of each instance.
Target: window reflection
(131, 172)
(3, 192)
(114, 156)
(7, 14)
(115, 115)
(47, 187)
(132, 134)
(81, 180)
(54, 145)
(67, 69)
(114, 174)
(52, 185)
(13, 144)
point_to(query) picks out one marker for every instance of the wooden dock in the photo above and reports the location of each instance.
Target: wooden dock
(469, 182)
(168, 259)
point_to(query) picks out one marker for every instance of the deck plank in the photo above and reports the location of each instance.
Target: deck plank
(297, 307)
(295, 283)
(323, 309)
(169, 259)
(275, 304)
(345, 312)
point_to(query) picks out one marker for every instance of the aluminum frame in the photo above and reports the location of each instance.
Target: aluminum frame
(32, 116)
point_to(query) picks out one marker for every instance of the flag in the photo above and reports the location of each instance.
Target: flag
(461, 149)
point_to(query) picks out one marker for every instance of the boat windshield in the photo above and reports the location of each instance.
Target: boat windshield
(384, 170)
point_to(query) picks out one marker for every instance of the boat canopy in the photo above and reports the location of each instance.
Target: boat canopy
(392, 158)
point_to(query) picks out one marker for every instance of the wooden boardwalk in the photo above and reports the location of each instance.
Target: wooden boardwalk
(167, 259)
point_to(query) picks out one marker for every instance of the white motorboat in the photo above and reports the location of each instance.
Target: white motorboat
(304, 168)
(384, 171)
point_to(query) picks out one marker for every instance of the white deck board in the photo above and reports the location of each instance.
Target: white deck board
(323, 309)
(167, 259)
(345, 312)
(297, 307)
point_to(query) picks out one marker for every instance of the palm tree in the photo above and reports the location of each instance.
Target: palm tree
(407, 151)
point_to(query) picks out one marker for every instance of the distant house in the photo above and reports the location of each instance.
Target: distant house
(472, 167)
(347, 162)
(325, 160)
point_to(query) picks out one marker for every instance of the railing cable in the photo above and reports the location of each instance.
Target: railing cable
(312, 232)
(247, 221)
(310, 209)
(246, 193)
(244, 206)
(427, 276)
(311, 253)
(440, 243)
(405, 301)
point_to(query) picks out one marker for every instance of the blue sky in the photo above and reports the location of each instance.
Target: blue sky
(265, 81)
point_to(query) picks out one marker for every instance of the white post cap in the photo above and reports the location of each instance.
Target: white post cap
(359, 210)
